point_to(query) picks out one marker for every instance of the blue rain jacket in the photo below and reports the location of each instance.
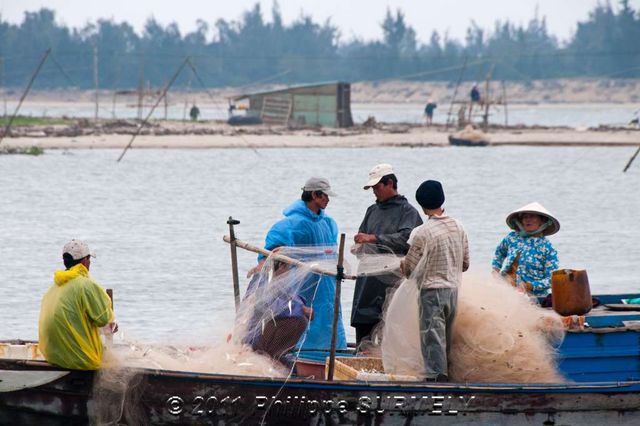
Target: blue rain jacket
(302, 227)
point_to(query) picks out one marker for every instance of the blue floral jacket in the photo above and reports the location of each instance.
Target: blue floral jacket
(537, 260)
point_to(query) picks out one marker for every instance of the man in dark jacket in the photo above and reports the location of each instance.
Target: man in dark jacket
(385, 229)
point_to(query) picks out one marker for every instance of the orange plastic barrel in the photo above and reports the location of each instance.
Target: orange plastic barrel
(570, 292)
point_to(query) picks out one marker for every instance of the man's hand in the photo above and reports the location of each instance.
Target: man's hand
(308, 312)
(524, 287)
(255, 269)
(362, 238)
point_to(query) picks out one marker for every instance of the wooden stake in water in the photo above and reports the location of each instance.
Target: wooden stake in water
(96, 84)
(336, 309)
(631, 160)
(455, 92)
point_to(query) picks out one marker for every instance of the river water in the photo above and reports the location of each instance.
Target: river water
(156, 219)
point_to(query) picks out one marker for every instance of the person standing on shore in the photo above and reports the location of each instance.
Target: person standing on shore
(475, 94)
(194, 113)
(438, 255)
(428, 111)
(385, 229)
(72, 312)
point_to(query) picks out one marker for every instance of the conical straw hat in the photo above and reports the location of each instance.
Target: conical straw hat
(535, 208)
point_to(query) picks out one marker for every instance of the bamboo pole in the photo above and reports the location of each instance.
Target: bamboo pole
(24, 94)
(504, 101)
(631, 160)
(455, 92)
(164, 93)
(336, 309)
(286, 259)
(487, 102)
(96, 84)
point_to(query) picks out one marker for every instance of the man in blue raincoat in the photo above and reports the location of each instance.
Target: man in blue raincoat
(305, 223)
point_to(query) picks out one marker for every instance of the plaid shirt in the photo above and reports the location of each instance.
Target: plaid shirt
(441, 248)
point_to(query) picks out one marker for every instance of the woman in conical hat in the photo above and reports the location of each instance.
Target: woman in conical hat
(525, 256)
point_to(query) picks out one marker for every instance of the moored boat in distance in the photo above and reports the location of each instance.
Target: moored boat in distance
(456, 141)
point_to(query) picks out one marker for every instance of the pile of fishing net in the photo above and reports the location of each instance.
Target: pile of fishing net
(116, 387)
(499, 335)
(514, 344)
(471, 134)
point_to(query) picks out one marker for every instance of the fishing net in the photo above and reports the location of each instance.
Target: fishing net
(289, 302)
(502, 336)
(288, 305)
(499, 335)
(378, 261)
(378, 275)
(116, 390)
(276, 316)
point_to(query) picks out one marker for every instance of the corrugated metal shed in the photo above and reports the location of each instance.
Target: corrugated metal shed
(325, 104)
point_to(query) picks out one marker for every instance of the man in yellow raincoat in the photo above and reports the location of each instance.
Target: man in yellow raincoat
(72, 312)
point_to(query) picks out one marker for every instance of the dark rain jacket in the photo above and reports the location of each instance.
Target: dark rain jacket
(392, 222)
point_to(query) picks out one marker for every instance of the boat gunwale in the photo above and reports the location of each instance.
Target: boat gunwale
(295, 382)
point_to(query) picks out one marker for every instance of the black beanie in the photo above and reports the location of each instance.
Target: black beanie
(430, 194)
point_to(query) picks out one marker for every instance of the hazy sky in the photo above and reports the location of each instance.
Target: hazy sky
(359, 18)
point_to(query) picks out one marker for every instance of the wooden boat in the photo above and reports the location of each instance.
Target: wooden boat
(460, 141)
(601, 362)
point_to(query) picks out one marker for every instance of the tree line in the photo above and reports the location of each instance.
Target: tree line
(254, 49)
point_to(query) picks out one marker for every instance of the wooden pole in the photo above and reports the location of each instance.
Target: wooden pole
(166, 106)
(4, 94)
(234, 260)
(140, 87)
(95, 82)
(504, 101)
(336, 309)
(144, 122)
(455, 92)
(109, 336)
(24, 94)
(631, 160)
(286, 259)
(487, 100)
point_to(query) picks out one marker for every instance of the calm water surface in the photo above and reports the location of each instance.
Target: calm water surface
(156, 219)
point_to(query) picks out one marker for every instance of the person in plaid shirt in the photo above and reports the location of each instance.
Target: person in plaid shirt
(438, 255)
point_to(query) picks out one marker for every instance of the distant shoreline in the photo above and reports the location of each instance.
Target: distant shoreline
(218, 135)
(553, 91)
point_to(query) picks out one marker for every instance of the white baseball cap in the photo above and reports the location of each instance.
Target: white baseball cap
(77, 249)
(377, 173)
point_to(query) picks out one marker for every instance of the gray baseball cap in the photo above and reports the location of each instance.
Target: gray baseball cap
(319, 184)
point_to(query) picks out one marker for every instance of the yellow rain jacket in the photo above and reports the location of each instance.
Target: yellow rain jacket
(71, 313)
